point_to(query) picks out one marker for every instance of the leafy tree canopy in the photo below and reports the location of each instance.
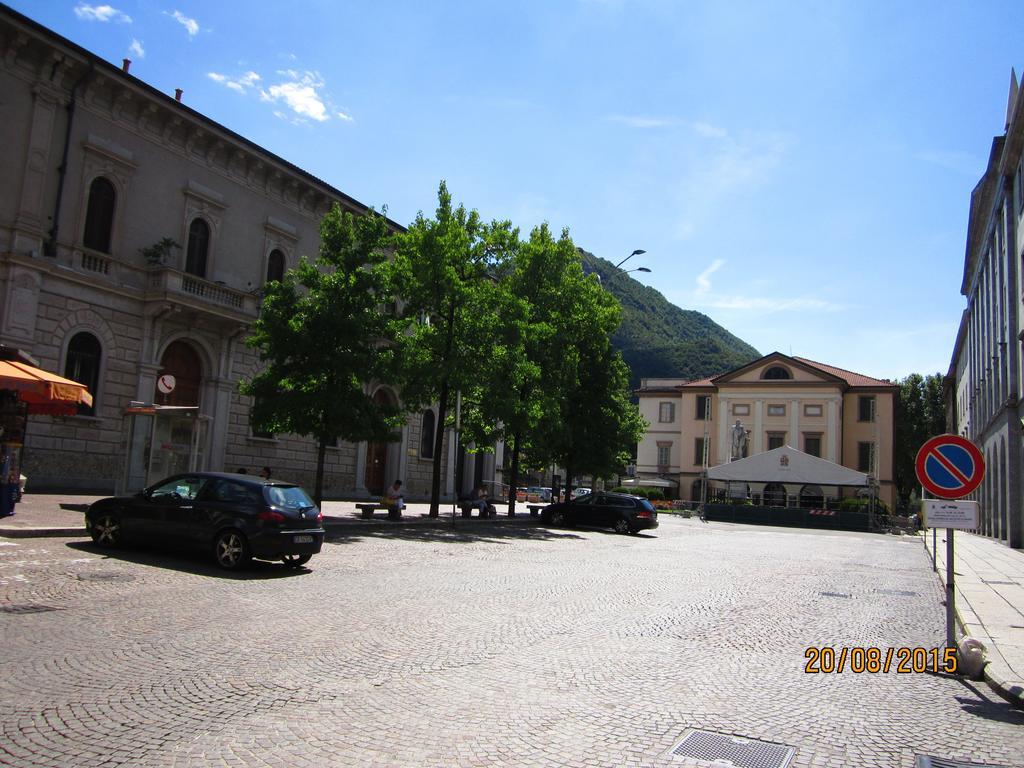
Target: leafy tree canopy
(920, 415)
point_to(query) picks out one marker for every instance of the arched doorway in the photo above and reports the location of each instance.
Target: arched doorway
(811, 497)
(181, 361)
(774, 495)
(375, 475)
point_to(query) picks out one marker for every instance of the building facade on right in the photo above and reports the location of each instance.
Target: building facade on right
(984, 381)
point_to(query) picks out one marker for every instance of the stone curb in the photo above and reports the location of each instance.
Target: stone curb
(995, 673)
(332, 526)
(32, 533)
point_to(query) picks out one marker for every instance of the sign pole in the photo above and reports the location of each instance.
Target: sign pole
(950, 467)
(950, 592)
(935, 536)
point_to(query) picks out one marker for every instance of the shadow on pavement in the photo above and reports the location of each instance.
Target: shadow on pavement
(187, 562)
(989, 706)
(446, 534)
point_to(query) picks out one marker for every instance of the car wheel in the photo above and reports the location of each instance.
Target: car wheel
(622, 526)
(558, 518)
(231, 550)
(106, 531)
(295, 561)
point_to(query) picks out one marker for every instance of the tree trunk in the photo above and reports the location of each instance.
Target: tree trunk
(568, 480)
(318, 490)
(514, 479)
(435, 478)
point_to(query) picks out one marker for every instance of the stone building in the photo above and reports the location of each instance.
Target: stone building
(821, 410)
(984, 380)
(101, 174)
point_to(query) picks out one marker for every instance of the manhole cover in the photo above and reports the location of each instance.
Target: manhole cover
(734, 750)
(105, 576)
(27, 608)
(926, 761)
(900, 592)
(834, 594)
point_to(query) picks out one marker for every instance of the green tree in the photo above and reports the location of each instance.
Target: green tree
(322, 334)
(444, 272)
(587, 422)
(920, 415)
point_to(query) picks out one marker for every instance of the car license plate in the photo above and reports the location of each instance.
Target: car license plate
(303, 539)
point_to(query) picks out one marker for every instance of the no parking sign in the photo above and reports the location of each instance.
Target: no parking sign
(950, 466)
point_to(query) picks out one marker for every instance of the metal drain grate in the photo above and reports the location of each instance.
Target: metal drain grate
(105, 576)
(926, 761)
(900, 592)
(834, 594)
(734, 750)
(27, 608)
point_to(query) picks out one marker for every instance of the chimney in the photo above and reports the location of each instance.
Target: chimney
(125, 64)
(177, 94)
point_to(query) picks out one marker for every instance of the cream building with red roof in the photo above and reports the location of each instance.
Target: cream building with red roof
(822, 410)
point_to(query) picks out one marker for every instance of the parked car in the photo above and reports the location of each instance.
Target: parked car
(626, 514)
(535, 494)
(233, 517)
(577, 492)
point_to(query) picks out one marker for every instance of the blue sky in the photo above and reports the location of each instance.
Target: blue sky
(798, 171)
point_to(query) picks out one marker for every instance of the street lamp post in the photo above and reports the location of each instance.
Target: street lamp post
(637, 252)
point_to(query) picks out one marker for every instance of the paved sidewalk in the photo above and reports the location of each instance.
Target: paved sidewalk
(62, 515)
(989, 580)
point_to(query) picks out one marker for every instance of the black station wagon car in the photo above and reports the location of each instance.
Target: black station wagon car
(626, 514)
(233, 517)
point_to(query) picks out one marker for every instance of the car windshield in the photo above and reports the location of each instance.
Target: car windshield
(288, 496)
(645, 504)
(584, 499)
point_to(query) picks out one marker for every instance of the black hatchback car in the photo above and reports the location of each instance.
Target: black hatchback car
(626, 514)
(233, 517)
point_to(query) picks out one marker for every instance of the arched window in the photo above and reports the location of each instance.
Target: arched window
(198, 246)
(774, 495)
(776, 372)
(82, 364)
(99, 215)
(427, 435)
(275, 266)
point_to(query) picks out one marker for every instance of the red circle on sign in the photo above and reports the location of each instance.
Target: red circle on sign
(932, 461)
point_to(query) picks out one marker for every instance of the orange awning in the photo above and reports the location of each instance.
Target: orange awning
(44, 392)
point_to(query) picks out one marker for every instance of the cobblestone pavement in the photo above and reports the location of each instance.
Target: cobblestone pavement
(485, 647)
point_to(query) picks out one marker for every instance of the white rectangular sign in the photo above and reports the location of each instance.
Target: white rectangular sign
(950, 514)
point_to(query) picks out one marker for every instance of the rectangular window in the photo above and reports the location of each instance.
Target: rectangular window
(776, 410)
(256, 432)
(698, 452)
(664, 454)
(666, 413)
(812, 444)
(703, 407)
(866, 408)
(865, 457)
(776, 440)
(740, 409)
(812, 410)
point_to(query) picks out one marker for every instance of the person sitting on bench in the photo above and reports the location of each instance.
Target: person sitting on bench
(393, 499)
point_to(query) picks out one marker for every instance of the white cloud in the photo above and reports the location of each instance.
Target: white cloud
(961, 162)
(191, 25)
(704, 278)
(704, 296)
(101, 13)
(640, 121)
(728, 167)
(346, 118)
(237, 84)
(300, 93)
(709, 131)
(137, 49)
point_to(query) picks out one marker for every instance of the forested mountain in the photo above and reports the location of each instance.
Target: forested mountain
(657, 338)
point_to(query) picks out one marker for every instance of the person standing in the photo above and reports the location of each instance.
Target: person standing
(265, 473)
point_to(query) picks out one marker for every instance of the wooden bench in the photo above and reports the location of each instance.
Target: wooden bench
(535, 509)
(367, 510)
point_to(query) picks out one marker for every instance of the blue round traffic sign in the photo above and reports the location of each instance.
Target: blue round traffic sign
(950, 466)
